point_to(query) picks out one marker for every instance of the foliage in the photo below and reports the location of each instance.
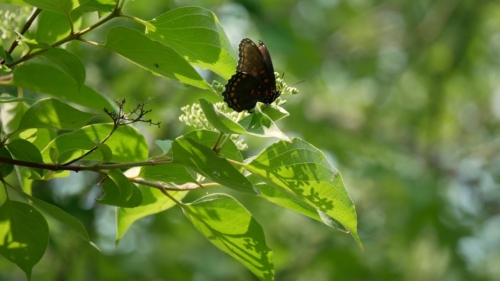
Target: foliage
(43, 138)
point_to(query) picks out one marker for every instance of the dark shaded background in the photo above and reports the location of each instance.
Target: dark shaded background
(402, 96)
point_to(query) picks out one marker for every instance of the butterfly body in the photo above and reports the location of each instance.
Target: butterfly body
(254, 79)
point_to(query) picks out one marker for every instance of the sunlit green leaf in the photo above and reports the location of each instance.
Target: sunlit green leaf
(196, 34)
(24, 235)
(59, 6)
(232, 229)
(12, 114)
(126, 143)
(302, 169)
(259, 124)
(153, 202)
(165, 145)
(52, 26)
(287, 199)
(97, 6)
(52, 81)
(154, 56)
(43, 137)
(54, 155)
(52, 113)
(219, 120)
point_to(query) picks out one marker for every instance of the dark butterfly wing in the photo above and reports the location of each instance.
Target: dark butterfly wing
(243, 91)
(254, 79)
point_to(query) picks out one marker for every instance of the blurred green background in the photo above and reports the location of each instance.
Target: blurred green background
(402, 96)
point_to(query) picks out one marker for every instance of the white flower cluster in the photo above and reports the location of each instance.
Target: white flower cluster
(10, 21)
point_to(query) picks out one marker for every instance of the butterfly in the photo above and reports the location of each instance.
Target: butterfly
(254, 79)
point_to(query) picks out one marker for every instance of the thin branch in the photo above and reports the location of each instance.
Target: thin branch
(72, 36)
(119, 119)
(115, 13)
(78, 168)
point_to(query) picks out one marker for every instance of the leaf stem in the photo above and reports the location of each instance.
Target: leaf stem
(216, 146)
(138, 20)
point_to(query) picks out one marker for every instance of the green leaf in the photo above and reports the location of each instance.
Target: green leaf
(219, 120)
(11, 116)
(52, 26)
(165, 145)
(256, 124)
(232, 229)
(43, 137)
(69, 63)
(284, 198)
(26, 151)
(26, 178)
(170, 173)
(3, 195)
(119, 191)
(196, 34)
(208, 138)
(28, 134)
(59, 6)
(275, 112)
(60, 216)
(126, 143)
(52, 113)
(54, 155)
(154, 56)
(5, 70)
(52, 81)
(98, 6)
(153, 202)
(24, 235)
(2, 50)
(106, 152)
(303, 170)
(203, 160)
(14, 99)
(33, 44)
(260, 125)
(14, 2)
(5, 169)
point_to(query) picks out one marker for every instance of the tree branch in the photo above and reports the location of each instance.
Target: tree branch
(78, 168)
